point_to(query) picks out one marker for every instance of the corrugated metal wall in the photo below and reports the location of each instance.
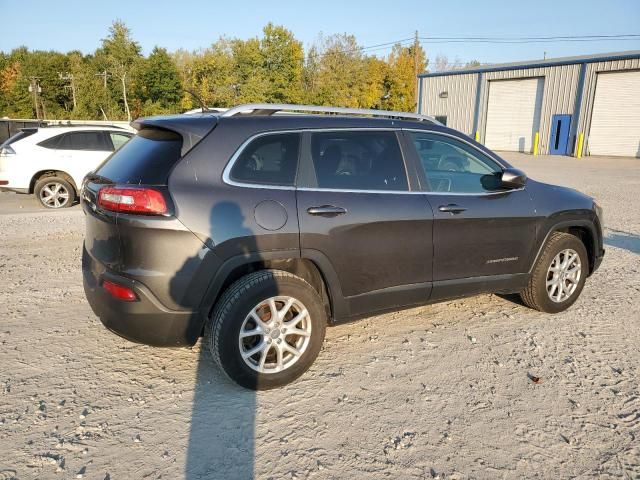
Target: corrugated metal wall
(460, 104)
(561, 85)
(589, 92)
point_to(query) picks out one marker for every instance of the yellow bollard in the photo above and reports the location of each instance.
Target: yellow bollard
(477, 136)
(580, 144)
(536, 139)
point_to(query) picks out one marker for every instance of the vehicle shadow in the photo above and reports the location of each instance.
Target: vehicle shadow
(222, 430)
(625, 240)
(221, 440)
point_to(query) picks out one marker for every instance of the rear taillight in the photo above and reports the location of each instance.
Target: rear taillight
(120, 292)
(146, 201)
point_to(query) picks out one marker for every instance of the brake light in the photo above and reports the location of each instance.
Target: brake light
(132, 200)
(120, 292)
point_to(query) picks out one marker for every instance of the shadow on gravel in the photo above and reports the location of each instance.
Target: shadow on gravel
(625, 240)
(511, 297)
(222, 432)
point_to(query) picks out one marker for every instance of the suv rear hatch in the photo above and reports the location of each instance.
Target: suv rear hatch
(132, 233)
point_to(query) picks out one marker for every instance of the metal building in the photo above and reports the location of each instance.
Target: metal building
(565, 106)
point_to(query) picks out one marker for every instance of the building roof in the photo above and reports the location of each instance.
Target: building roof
(598, 57)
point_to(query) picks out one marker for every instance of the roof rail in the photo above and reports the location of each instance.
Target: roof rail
(271, 108)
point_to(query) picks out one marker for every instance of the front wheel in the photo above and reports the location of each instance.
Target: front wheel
(559, 274)
(267, 329)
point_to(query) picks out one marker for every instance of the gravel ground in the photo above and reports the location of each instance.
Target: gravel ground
(442, 391)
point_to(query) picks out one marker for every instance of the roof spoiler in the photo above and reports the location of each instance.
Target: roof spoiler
(191, 128)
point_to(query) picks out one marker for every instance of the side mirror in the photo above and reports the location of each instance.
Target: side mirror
(513, 178)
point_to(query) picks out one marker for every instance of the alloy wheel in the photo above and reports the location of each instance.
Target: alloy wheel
(54, 195)
(275, 334)
(563, 275)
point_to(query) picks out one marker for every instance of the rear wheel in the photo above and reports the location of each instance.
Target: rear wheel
(267, 329)
(54, 192)
(559, 274)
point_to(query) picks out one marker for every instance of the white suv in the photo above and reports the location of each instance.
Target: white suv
(52, 161)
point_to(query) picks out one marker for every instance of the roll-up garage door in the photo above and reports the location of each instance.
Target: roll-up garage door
(615, 122)
(513, 114)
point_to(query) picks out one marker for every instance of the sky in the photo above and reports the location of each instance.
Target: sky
(81, 24)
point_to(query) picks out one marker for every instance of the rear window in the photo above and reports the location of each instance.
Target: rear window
(145, 159)
(19, 136)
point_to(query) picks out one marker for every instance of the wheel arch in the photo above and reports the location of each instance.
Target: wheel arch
(313, 268)
(584, 229)
(52, 173)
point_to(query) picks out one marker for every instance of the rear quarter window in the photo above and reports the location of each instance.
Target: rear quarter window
(145, 159)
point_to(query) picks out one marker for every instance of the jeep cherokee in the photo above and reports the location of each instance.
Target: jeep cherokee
(258, 230)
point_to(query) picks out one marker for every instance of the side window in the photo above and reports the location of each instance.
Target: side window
(365, 160)
(269, 159)
(118, 139)
(51, 142)
(83, 141)
(451, 165)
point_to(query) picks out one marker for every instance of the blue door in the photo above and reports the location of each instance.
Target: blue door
(559, 141)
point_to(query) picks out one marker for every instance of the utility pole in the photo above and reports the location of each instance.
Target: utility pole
(68, 76)
(104, 76)
(415, 69)
(34, 88)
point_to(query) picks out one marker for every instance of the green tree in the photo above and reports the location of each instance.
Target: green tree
(251, 84)
(340, 73)
(283, 59)
(160, 84)
(121, 55)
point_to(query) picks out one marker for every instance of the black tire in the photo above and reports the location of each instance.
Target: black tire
(223, 328)
(65, 186)
(535, 295)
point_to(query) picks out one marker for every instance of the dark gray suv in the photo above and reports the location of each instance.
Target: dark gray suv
(257, 229)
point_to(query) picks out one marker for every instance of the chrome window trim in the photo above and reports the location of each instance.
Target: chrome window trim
(226, 174)
(227, 170)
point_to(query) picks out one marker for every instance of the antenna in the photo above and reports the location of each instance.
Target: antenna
(194, 95)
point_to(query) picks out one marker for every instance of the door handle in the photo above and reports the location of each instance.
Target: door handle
(326, 211)
(451, 208)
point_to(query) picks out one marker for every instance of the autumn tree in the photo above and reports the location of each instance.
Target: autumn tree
(403, 63)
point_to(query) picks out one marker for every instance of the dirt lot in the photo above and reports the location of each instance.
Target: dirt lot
(441, 391)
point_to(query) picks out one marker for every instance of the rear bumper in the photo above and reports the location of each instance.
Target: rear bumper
(144, 321)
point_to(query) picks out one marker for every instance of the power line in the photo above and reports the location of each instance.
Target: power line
(520, 40)
(482, 39)
(559, 37)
